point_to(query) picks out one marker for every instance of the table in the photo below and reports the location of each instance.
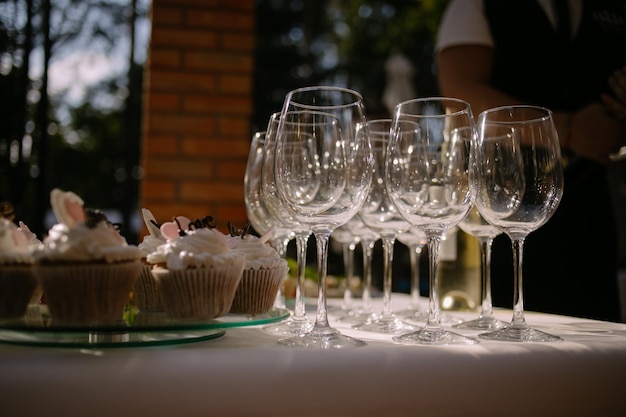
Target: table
(246, 373)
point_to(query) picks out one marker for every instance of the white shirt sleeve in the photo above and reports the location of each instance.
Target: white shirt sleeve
(463, 23)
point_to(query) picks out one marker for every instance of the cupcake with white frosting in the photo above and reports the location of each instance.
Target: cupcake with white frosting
(146, 293)
(18, 285)
(86, 267)
(263, 275)
(196, 271)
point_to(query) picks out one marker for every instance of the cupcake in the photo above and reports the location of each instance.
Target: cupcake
(33, 244)
(196, 271)
(17, 279)
(86, 268)
(263, 275)
(146, 292)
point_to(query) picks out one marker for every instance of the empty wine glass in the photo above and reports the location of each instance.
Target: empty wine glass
(475, 225)
(323, 171)
(520, 185)
(415, 240)
(430, 180)
(381, 215)
(298, 322)
(259, 216)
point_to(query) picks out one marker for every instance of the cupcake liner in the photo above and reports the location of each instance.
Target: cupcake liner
(257, 290)
(17, 286)
(146, 291)
(79, 294)
(201, 293)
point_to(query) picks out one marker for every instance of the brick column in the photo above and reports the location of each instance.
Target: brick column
(197, 109)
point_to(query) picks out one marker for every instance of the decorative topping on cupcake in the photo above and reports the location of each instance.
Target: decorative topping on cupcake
(153, 227)
(93, 217)
(232, 229)
(197, 248)
(181, 226)
(82, 235)
(13, 244)
(67, 207)
(6, 210)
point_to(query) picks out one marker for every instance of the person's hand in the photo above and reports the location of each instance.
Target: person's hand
(596, 133)
(616, 103)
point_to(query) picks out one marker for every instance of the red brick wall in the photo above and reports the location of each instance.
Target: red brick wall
(197, 109)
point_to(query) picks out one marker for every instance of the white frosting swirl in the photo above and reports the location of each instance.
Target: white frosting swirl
(82, 243)
(199, 248)
(258, 254)
(14, 245)
(150, 244)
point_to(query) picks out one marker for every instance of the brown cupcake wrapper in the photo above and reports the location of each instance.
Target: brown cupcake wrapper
(146, 293)
(87, 293)
(202, 293)
(257, 290)
(17, 288)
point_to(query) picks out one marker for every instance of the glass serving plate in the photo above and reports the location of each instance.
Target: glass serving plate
(136, 328)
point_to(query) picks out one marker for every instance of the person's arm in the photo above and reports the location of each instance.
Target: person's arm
(616, 103)
(464, 72)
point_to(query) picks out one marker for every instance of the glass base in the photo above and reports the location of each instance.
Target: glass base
(413, 314)
(482, 323)
(519, 333)
(290, 327)
(433, 336)
(322, 338)
(356, 316)
(384, 324)
(446, 319)
(107, 339)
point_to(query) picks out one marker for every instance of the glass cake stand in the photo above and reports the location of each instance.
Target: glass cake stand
(137, 328)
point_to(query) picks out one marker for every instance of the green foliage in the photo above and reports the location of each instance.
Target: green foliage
(343, 42)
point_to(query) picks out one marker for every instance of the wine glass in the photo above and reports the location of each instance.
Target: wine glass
(430, 180)
(520, 185)
(298, 322)
(323, 171)
(415, 240)
(381, 215)
(261, 219)
(475, 225)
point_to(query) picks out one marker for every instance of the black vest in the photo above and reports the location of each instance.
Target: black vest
(570, 263)
(531, 65)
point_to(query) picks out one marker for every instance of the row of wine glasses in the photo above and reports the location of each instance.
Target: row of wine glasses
(436, 170)
(322, 170)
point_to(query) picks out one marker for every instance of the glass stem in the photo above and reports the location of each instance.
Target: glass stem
(388, 242)
(301, 247)
(518, 295)
(348, 264)
(434, 319)
(485, 261)
(368, 250)
(414, 256)
(321, 321)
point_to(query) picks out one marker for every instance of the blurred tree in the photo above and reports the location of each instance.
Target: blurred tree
(345, 43)
(45, 127)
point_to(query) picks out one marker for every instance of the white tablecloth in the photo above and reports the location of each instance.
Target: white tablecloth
(246, 373)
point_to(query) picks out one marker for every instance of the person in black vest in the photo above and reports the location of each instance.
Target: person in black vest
(493, 53)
